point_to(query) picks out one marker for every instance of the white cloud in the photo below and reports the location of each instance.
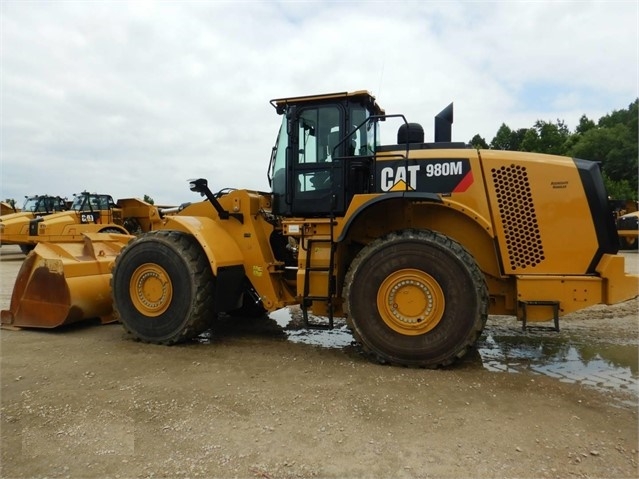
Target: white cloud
(134, 98)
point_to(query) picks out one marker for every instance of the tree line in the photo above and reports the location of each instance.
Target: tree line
(612, 141)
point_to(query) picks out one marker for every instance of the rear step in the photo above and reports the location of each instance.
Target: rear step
(524, 306)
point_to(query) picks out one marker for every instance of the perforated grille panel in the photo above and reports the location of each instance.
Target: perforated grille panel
(519, 220)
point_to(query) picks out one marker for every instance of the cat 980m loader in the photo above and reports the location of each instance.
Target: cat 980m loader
(415, 243)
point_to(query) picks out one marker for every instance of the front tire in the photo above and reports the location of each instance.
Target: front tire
(163, 288)
(415, 298)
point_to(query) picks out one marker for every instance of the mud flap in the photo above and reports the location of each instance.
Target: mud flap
(230, 288)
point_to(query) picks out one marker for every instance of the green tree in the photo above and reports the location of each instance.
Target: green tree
(530, 141)
(502, 139)
(626, 117)
(620, 189)
(148, 199)
(614, 142)
(478, 142)
(517, 137)
(507, 139)
(546, 137)
(584, 125)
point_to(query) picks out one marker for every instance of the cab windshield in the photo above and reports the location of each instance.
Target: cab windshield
(278, 155)
(31, 204)
(43, 204)
(78, 201)
(92, 202)
(365, 139)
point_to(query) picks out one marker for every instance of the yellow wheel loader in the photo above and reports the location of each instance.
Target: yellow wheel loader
(16, 224)
(88, 213)
(415, 243)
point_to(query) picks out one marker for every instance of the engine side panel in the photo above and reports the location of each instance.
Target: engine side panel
(541, 213)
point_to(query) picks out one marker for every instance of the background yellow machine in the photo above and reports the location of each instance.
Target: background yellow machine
(415, 243)
(6, 208)
(628, 230)
(14, 225)
(88, 213)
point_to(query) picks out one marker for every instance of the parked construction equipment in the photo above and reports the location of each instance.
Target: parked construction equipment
(414, 243)
(15, 224)
(628, 230)
(7, 208)
(89, 213)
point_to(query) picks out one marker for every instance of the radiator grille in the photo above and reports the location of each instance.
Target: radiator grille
(519, 220)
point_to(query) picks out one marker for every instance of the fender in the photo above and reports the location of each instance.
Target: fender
(218, 245)
(408, 195)
(224, 255)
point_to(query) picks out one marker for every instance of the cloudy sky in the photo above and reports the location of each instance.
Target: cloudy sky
(133, 98)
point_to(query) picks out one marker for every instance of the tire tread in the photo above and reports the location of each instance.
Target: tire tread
(478, 279)
(191, 252)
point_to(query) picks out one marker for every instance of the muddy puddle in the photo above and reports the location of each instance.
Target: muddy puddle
(563, 356)
(505, 348)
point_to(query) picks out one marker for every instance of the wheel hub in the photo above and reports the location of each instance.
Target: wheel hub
(150, 289)
(410, 302)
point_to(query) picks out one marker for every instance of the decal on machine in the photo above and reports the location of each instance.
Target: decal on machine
(257, 270)
(89, 217)
(450, 175)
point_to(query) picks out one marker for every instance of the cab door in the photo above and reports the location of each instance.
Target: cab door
(315, 180)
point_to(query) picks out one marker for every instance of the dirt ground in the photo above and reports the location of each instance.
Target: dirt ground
(87, 402)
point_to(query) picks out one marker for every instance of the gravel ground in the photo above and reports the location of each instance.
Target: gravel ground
(247, 401)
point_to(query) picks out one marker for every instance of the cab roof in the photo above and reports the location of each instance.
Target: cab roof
(360, 96)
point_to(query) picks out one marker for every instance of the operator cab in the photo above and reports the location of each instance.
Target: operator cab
(94, 208)
(324, 152)
(43, 204)
(86, 201)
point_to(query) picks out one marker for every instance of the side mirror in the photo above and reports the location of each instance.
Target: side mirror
(201, 185)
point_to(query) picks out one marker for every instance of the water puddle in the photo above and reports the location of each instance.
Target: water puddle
(572, 358)
(604, 366)
(338, 337)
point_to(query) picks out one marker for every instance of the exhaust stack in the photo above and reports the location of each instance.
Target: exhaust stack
(443, 125)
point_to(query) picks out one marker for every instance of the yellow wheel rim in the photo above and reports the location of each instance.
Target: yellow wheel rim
(150, 289)
(410, 302)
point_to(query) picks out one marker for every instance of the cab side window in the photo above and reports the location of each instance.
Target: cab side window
(318, 136)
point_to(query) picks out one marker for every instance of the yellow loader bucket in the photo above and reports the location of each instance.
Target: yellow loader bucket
(62, 283)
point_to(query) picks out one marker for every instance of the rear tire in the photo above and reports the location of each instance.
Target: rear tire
(112, 230)
(163, 287)
(133, 226)
(415, 298)
(628, 242)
